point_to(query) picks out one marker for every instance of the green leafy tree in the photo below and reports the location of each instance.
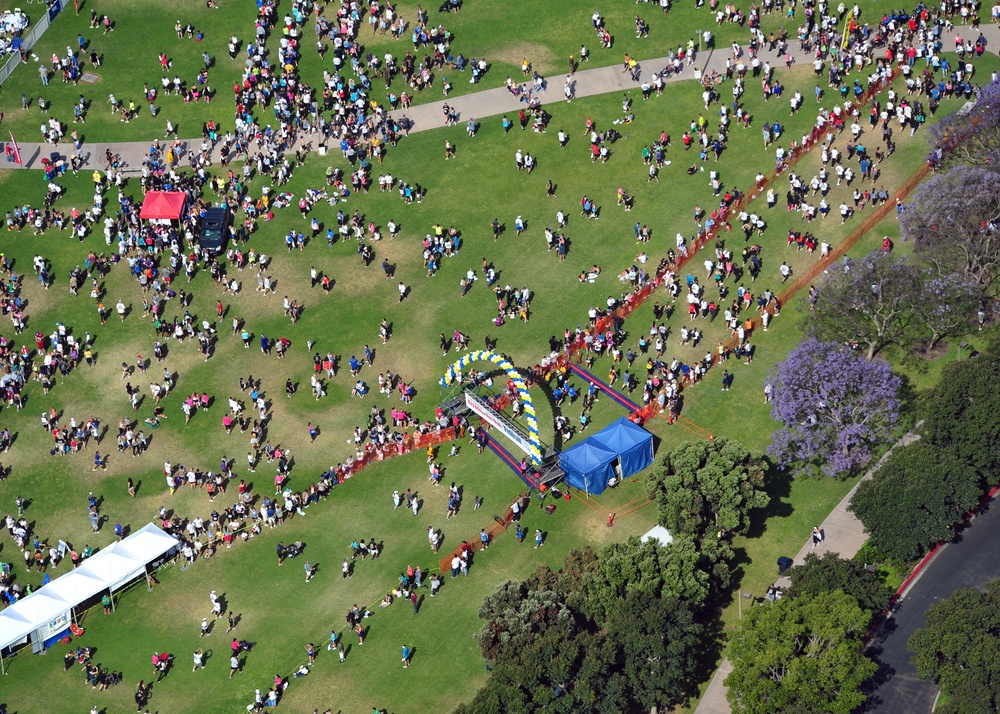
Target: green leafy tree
(869, 302)
(655, 640)
(800, 653)
(831, 572)
(962, 416)
(558, 671)
(960, 649)
(515, 614)
(633, 649)
(915, 500)
(677, 571)
(704, 486)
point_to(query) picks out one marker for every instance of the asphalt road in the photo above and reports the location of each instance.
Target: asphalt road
(971, 562)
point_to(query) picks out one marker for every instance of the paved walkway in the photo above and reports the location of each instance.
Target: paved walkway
(842, 534)
(487, 103)
(424, 117)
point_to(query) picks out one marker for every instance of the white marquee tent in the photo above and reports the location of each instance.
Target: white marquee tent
(48, 610)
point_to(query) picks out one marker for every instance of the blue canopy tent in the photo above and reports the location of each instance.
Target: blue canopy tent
(588, 466)
(632, 443)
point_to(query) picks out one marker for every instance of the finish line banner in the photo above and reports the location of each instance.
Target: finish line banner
(498, 422)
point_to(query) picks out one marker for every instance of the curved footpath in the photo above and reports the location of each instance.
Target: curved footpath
(489, 102)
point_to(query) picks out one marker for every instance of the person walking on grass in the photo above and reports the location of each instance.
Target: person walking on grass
(406, 657)
(199, 659)
(234, 666)
(309, 570)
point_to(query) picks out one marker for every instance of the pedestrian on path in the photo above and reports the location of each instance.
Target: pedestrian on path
(817, 537)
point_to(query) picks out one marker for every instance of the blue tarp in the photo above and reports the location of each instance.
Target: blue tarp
(588, 466)
(632, 443)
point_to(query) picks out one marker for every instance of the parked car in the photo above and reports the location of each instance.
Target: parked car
(214, 235)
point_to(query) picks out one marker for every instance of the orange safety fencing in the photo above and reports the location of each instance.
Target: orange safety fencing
(607, 322)
(408, 444)
(816, 137)
(873, 219)
(498, 526)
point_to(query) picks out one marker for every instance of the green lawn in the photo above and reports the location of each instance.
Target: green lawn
(480, 184)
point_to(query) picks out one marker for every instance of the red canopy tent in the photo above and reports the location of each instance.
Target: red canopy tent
(163, 205)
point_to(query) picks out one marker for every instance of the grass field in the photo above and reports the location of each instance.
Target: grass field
(480, 184)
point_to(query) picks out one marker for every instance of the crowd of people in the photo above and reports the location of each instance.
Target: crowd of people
(344, 111)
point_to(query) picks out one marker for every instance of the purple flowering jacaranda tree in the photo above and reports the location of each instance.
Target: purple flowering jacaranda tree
(834, 405)
(953, 219)
(970, 135)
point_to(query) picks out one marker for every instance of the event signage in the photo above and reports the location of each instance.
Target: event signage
(498, 422)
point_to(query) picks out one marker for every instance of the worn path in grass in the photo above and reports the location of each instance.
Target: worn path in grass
(491, 102)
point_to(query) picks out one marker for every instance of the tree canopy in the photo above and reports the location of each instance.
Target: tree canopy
(959, 649)
(704, 486)
(962, 415)
(613, 631)
(915, 500)
(831, 572)
(953, 219)
(870, 302)
(800, 654)
(970, 136)
(835, 407)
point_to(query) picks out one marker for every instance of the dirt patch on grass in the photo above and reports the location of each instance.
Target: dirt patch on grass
(542, 58)
(926, 352)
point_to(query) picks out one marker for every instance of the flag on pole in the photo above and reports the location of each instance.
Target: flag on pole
(17, 152)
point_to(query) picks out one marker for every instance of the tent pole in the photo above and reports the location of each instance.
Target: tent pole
(112, 594)
(2, 668)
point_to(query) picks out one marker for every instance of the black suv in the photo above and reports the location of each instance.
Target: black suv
(215, 230)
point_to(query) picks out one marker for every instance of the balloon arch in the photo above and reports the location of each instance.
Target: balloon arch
(534, 446)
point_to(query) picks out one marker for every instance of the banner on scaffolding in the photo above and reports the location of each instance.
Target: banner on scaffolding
(454, 374)
(497, 421)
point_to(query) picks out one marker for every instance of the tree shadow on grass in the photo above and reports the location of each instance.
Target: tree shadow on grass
(910, 399)
(778, 484)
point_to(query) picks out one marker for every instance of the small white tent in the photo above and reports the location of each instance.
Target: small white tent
(660, 535)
